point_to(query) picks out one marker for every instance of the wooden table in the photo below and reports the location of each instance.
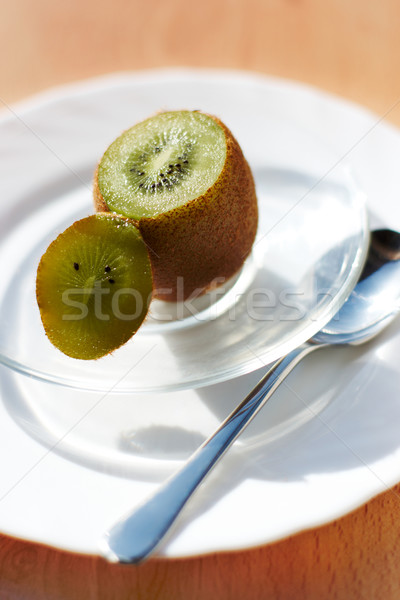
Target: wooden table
(351, 48)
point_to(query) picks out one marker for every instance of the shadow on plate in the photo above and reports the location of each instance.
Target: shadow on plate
(345, 417)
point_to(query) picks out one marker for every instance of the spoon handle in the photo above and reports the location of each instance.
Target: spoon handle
(138, 533)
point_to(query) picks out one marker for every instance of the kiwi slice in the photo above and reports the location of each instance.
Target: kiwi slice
(94, 286)
(183, 179)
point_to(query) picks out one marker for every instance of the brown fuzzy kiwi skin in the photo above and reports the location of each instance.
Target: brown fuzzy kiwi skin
(204, 242)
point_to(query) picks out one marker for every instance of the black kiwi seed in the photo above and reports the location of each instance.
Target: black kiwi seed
(111, 280)
(107, 269)
(76, 266)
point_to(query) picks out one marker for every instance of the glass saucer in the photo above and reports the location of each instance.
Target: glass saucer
(309, 251)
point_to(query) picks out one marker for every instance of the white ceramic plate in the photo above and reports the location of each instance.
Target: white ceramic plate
(77, 460)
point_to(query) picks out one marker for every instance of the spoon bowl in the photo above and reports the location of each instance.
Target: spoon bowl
(371, 306)
(375, 300)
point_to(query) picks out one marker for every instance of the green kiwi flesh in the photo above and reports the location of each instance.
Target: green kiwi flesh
(94, 286)
(162, 163)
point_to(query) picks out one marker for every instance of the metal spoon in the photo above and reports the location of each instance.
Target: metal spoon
(371, 306)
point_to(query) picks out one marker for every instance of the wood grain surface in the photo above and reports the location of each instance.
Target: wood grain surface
(351, 48)
(348, 47)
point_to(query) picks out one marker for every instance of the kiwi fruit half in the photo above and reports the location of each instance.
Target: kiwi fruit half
(182, 178)
(94, 286)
